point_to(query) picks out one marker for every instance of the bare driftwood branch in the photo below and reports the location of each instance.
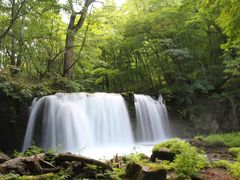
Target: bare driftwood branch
(72, 157)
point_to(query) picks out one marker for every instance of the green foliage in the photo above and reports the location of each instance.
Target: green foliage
(227, 139)
(234, 150)
(135, 157)
(61, 84)
(175, 145)
(188, 161)
(222, 164)
(235, 169)
(33, 150)
(116, 174)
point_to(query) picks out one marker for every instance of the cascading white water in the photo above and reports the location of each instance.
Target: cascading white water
(152, 119)
(96, 125)
(75, 121)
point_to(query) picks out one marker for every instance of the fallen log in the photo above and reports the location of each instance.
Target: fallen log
(23, 165)
(78, 158)
(3, 157)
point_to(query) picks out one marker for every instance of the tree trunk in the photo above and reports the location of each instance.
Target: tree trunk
(13, 53)
(68, 55)
(71, 32)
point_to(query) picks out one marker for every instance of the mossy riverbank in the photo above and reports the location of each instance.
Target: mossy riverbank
(198, 158)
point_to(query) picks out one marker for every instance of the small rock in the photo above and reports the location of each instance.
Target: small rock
(163, 154)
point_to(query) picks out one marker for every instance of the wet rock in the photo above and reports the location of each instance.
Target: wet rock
(163, 154)
(133, 171)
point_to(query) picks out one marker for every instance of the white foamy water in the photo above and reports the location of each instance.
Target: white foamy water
(95, 125)
(152, 119)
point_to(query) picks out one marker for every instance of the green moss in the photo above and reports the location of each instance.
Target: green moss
(175, 145)
(47, 176)
(158, 166)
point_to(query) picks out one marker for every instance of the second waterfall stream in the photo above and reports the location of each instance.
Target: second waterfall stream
(95, 124)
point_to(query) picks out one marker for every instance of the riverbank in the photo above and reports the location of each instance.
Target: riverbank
(204, 157)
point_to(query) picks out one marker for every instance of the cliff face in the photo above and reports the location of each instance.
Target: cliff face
(13, 120)
(206, 115)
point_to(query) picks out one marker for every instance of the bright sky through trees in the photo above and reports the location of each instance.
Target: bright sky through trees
(119, 2)
(65, 18)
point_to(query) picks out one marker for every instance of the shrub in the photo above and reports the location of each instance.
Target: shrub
(235, 169)
(188, 161)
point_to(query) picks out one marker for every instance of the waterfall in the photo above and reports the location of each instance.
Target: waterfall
(152, 119)
(97, 123)
(75, 121)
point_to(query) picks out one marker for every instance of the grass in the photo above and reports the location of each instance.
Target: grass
(227, 139)
(234, 150)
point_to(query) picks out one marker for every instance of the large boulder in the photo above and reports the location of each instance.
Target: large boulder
(163, 154)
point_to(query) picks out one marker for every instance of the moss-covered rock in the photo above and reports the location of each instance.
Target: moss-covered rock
(145, 171)
(163, 154)
(187, 161)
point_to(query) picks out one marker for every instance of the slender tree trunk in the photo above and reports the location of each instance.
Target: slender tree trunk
(68, 56)
(73, 28)
(13, 39)
(21, 36)
(13, 52)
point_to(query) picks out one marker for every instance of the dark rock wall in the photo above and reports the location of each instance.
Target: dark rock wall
(13, 121)
(208, 116)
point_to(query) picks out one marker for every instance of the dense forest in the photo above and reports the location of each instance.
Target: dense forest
(186, 50)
